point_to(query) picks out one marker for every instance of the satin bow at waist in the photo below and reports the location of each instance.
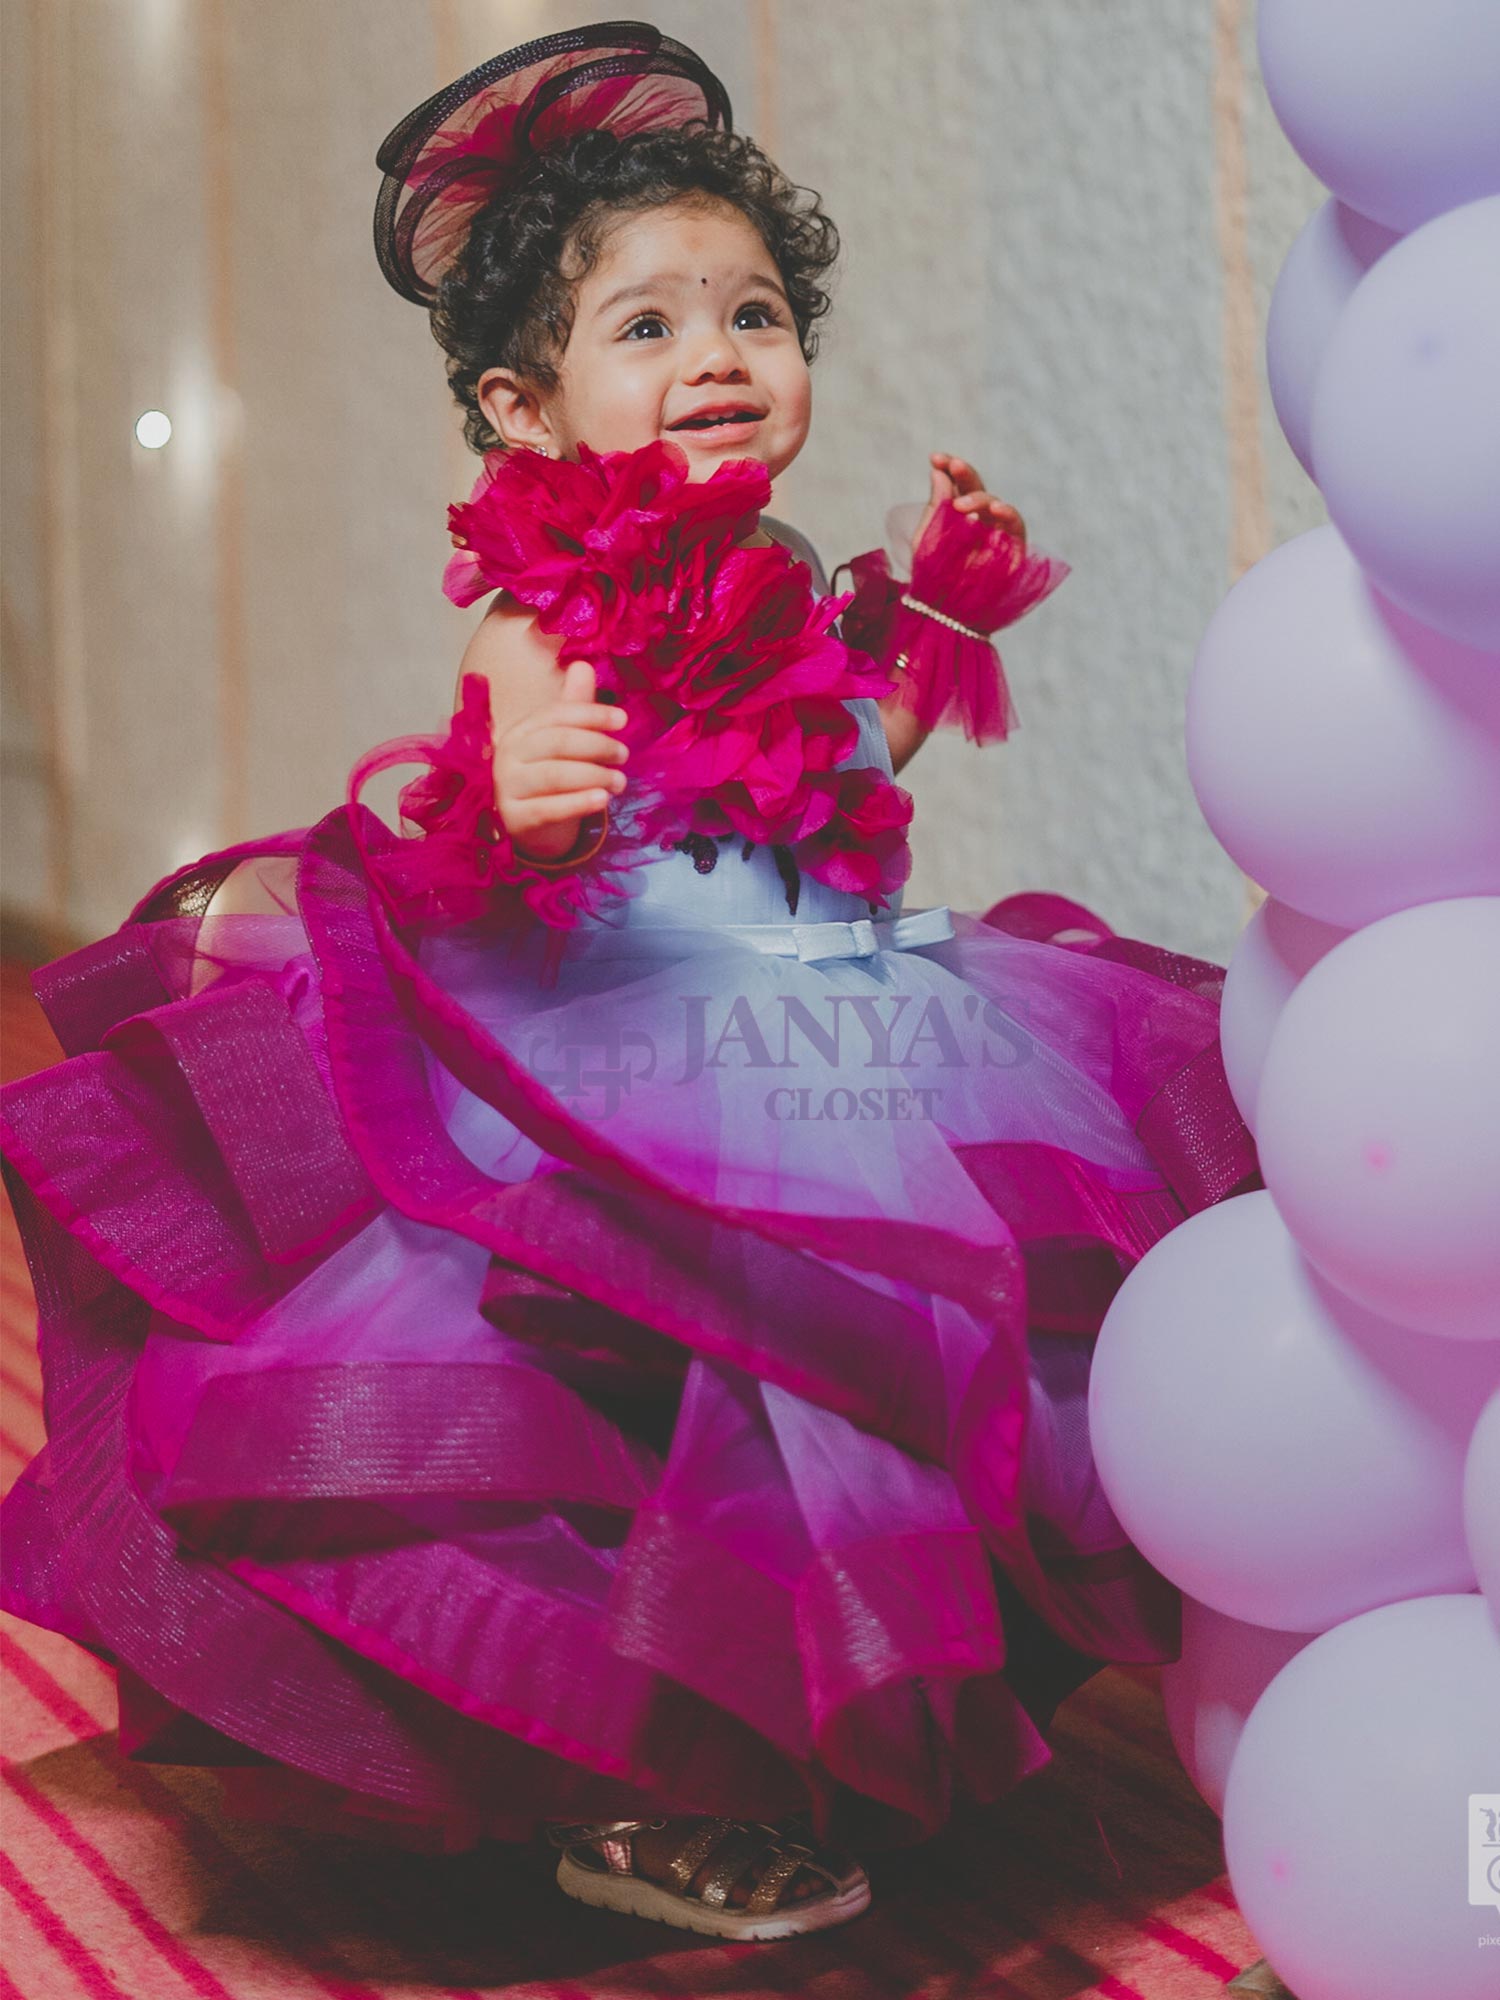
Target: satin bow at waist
(860, 939)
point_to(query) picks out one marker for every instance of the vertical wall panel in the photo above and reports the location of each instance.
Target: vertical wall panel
(148, 793)
(26, 761)
(1282, 194)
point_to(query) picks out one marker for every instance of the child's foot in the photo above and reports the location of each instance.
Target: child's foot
(728, 1878)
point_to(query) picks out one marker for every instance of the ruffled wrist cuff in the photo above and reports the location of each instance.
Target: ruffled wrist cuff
(933, 631)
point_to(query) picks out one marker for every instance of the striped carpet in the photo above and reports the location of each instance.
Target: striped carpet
(1099, 1879)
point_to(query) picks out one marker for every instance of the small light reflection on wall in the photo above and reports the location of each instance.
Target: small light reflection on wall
(190, 844)
(152, 429)
(156, 38)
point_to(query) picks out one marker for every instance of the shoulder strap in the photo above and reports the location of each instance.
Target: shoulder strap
(791, 538)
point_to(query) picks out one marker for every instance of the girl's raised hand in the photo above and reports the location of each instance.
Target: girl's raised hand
(556, 766)
(956, 480)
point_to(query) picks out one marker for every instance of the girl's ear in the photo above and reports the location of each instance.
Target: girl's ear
(513, 410)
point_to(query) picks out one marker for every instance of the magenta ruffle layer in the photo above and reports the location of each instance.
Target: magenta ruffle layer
(665, 1502)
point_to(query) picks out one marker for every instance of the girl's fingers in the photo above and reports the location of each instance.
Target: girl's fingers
(559, 741)
(561, 805)
(585, 714)
(963, 475)
(581, 680)
(998, 510)
(549, 775)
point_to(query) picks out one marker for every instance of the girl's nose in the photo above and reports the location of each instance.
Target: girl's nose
(716, 360)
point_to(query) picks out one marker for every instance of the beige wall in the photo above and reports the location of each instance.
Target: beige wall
(1061, 218)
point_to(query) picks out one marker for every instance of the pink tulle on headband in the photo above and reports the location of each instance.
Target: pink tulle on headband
(448, 159)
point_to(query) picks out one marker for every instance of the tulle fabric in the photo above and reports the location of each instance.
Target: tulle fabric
(455, 153)
(462, 1416)
(966, 572)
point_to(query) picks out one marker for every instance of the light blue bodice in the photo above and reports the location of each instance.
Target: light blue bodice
(748, 889)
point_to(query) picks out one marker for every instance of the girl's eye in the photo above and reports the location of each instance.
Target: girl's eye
(640, 328)
(762, 314)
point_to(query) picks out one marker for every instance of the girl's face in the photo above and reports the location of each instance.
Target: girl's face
(682, 330)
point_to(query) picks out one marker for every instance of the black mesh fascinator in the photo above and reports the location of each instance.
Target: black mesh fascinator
(447, 159)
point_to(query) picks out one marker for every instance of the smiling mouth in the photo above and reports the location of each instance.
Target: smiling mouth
(721, 420)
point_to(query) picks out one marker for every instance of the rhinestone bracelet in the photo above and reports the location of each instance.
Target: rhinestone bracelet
(942, 618)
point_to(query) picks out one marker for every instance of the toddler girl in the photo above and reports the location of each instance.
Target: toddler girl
(577, 1317)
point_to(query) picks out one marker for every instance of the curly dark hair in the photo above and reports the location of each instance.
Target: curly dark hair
(506, 303)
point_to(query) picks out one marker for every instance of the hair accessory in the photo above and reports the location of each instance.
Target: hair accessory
(448, 159)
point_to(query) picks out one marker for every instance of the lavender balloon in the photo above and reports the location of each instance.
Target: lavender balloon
(1331, 254)
(1406, 424)
(1347, 1816)
(1280, 1453)
(1346, 756)
(1482, 1502)
(1276, 948)
(1393, 106)
(1379, 1117)
(1223, 1671)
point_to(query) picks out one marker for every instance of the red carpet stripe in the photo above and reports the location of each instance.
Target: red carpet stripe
(219, 1862)
(23, 1432)
(33, 1676)
(1189, 1948)
(1055, 1865)
(1040, 1886)
(14, 1458)
(27, 1391)
(81, 1962)
(975, 1891)
(192, 1973)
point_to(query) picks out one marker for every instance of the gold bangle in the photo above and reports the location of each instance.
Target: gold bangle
(566, 861)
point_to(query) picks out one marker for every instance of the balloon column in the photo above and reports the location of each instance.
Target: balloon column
(1295, 1398)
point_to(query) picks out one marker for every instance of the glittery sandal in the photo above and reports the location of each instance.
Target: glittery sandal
(598, 1867)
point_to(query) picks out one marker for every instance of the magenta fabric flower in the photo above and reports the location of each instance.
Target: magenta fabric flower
(734, 685)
